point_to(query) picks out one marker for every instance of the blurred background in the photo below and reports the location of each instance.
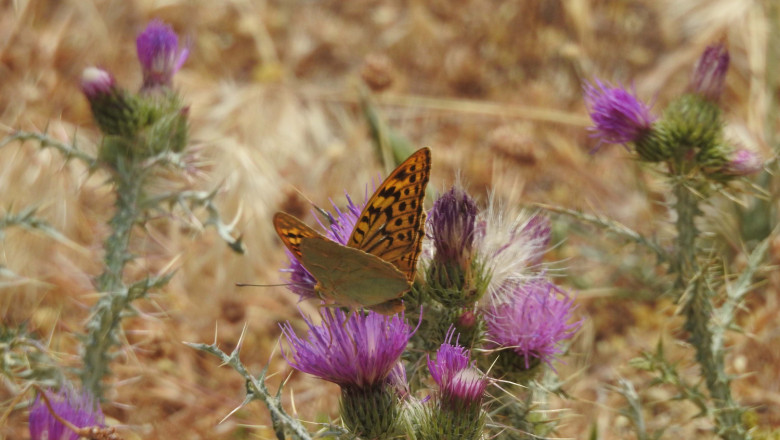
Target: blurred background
(493, 87)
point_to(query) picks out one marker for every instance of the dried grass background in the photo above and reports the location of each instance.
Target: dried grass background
(494, 88)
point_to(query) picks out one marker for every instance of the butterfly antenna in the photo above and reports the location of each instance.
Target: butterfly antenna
(269, 285)
(322, 211)
(325, 213)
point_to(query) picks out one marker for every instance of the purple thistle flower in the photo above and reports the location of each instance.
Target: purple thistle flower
(619, 116)
(710, 72)
(466, 386)
(510, 244)
(459, 382)
(302, 282)
(449, 360)
(78, 409)
(359, 352)
(159, 54)
(453, 220)
(531, 319)
(97, 82)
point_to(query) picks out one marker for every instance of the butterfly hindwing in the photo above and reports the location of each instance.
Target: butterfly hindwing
(350, 277)
(391, 224)
(291, 231)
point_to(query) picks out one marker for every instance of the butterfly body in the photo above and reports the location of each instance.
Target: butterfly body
(378, 263)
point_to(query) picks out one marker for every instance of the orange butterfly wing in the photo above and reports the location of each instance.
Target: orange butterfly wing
(391, 224)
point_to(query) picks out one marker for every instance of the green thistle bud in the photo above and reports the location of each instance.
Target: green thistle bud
(691, 122)
(449, 422)
(454, 275)
(454, 286)
(653, 146)
(371, 412)
(115, 111)
(166, 126)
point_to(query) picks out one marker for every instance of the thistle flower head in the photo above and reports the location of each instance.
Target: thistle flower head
(96, 82)
(510, 244)
(340, 228)
(619, 116)
(359, 352)
(449, 360)
(710, 72)
(458, 380)
(466, 386)
(531, 318)
(159, 54)
(80, 410)
(453, 220)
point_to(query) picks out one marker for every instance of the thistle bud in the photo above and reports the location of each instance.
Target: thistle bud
(743, 162)
(159, 54)
(739, 161)
(453, 272)
(452, 220)
(97, 82)
(710, 72)
(692, 126)
(115, 112)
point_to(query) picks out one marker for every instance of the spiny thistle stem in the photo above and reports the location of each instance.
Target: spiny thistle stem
(257, 390)
(698, 310)
(67, 150)
(116, 297)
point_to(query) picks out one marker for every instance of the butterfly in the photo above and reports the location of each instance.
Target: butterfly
(377, 265)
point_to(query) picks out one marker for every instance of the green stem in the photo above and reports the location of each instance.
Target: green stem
(698, 309)
(115, 297)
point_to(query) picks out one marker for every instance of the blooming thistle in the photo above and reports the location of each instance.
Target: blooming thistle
(358, 353)
(159, 54)
(459, 382)
(529, 320)
(80, 410)
(456, 411)
(510, 245)
(710, 72)
(302, 283)
(619, 116)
